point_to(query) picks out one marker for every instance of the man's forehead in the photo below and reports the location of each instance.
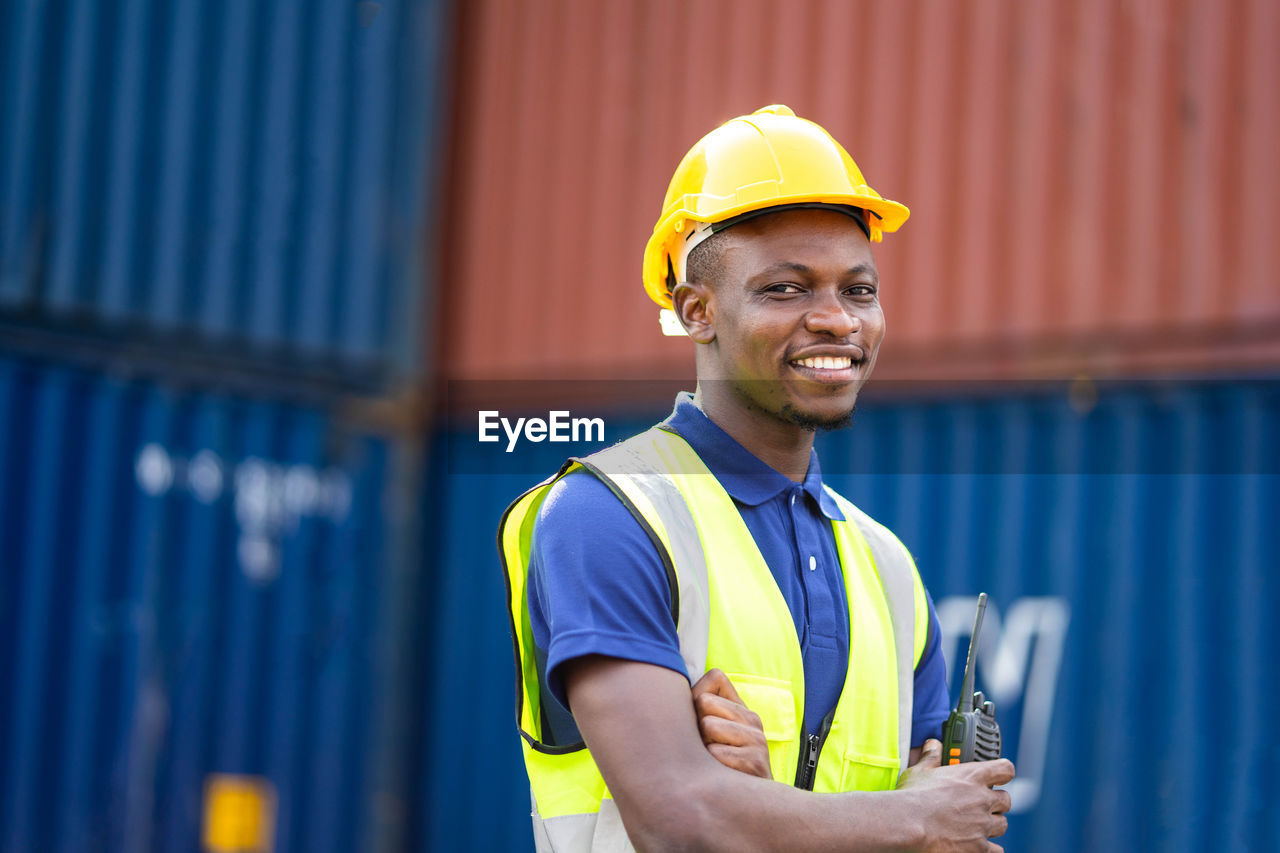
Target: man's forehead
(794, 243)
(798, 230)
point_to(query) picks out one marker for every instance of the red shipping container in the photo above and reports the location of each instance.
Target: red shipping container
(1093, 184)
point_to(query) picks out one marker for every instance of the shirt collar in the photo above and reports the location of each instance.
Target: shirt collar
(746, 478)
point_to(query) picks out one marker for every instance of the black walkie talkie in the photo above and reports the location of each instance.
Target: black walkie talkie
(971, 732)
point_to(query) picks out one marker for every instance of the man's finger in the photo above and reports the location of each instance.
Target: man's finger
(742, 760)
(711, 704)
(997, 772)
(930, 753)
(1003, 802)
(720, 730)
(716, 682)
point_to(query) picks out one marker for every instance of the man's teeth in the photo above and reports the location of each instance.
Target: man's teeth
(826, 362)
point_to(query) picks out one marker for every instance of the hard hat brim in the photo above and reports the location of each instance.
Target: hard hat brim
(888, 217)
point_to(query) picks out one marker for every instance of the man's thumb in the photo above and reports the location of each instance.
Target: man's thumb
(931, 753)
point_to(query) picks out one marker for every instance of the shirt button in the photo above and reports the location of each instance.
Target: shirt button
(813, 562)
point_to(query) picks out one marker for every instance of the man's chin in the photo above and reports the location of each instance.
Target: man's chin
(815, 421)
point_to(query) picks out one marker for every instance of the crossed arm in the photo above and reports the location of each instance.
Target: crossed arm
(688, 771)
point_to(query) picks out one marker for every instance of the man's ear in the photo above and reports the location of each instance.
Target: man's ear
(692, 306)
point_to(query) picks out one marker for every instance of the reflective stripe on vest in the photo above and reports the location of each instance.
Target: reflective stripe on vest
(729, 614)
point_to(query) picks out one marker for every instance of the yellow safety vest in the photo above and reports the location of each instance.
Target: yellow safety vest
(730, 615)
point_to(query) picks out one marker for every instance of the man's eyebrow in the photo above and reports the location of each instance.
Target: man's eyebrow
(785, 266)
(862, 268)
(796, 266)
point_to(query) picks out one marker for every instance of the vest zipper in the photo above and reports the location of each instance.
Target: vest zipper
(810, 749)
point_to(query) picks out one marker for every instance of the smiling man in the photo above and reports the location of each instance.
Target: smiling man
(785, 304)
(716, 651)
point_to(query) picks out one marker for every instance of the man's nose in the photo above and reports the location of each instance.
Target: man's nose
(831, 316)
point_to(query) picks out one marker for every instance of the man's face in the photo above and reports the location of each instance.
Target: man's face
(796, 316)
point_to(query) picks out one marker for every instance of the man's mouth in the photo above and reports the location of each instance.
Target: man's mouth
(825, 362)
(834, 370)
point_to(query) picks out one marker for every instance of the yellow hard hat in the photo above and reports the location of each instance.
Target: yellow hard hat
(767, 159)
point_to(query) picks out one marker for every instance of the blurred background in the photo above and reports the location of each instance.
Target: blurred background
(260, 260)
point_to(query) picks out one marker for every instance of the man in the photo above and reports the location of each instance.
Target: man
(715, 650)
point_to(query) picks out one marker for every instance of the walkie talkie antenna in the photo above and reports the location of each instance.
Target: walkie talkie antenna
(971, 733)
(966, 687)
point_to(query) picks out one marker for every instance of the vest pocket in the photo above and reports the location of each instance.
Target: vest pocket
(869, 773)
(773, 702)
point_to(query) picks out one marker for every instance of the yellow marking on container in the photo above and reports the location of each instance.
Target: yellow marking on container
(239, 814)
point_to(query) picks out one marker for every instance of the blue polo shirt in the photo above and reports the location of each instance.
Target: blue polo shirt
(598, 586)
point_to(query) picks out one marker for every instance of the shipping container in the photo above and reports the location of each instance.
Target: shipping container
(1093, 185)
(198, 617)
(1122, 532)
(243, 178)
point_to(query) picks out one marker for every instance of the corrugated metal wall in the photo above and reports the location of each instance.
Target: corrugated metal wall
(1092, 184)
(220, 173)
(192, 583)
(1125, 543)
(215, 221)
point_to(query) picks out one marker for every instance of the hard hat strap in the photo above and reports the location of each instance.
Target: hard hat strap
(697, 233)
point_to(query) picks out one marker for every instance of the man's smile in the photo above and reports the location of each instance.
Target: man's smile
(829, 368)
(825, 362)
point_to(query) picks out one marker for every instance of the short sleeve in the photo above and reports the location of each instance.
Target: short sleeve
(597, 584)
(930, 705)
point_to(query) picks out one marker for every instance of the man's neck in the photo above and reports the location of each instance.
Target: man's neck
(784, 447)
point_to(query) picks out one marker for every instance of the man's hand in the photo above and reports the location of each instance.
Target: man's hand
(961, 810)
(731, 731)
(643, 732)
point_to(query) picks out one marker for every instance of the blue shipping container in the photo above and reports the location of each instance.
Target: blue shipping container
(232, 174)
(1122, 533)
(191, 583)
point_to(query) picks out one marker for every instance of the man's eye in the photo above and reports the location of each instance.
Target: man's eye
(861, 290)
(783, 287)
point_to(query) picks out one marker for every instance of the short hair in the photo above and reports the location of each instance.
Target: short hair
(703, 263)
